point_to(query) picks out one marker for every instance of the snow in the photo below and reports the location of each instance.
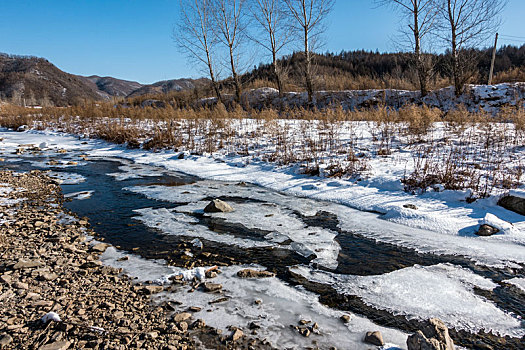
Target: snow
(518, 282)
(51, 316)
(476, 97)
(444, 291)
(281, 306)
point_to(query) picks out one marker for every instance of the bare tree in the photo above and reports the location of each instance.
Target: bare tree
(194, 35)
(307, 18)
(466, 24)
(421, 16)
(230, 28)
(271, 17)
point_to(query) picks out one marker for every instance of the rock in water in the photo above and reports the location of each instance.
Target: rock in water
(374, 338)
(218, 206)
(513, 203)
(487, 230)
(433, 336)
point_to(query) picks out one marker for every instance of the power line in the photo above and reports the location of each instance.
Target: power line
(513, 36)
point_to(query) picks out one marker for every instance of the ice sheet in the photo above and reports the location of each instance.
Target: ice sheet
(444, 291)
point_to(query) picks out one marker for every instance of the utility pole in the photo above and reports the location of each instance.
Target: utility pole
(493, 59)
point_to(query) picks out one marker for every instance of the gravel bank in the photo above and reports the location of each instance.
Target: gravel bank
(46, 266)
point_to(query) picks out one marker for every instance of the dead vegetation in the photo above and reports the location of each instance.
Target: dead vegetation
(459, 150)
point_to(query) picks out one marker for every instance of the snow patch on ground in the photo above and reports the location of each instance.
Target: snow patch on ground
(444, 291)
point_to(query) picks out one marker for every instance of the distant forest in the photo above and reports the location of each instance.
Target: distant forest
(373, 70)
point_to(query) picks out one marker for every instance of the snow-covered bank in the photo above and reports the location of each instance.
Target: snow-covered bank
(443, 223)
(490, 98)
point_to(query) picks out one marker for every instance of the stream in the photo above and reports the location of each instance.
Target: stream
(324, 269)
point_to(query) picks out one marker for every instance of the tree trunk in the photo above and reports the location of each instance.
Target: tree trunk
(421, 71)
(458, 86)
(307, 71)
(212, 77)
(235, 77)
(277, 75)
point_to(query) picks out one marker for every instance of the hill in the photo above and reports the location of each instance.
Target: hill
(166, 86)
(27, 80)
(112, 86)
(35, 81)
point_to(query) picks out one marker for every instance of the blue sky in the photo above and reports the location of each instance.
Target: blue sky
(131, 39)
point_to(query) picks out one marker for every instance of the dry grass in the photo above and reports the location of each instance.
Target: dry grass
(460, 150)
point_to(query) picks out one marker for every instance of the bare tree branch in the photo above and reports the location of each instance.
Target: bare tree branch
(466, 24)
(194, 36)
(307, 22)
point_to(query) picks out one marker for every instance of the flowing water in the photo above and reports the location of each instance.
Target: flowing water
(156, 215)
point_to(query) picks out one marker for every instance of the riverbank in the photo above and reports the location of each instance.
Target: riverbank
(49, 272)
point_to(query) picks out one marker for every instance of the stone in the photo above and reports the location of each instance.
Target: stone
(212, 287)
(6, 279)
(20, 285)
(91, 264)
(5, 340)
(345, 318)
(251, 273)
(374, 338)
(198, 324)
(58, 345)
(48, 276)
(432, 336)
(236, 335)
(305, 332)
(100, 247)
(180, 317)
(418, 341)
(218, 206)
(26, 264)
(148, 290)
(513, 203)
(487, 230)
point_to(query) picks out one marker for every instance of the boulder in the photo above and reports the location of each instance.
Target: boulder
(250, 273)
(236, 335)
(212, 287)
(100, 247)
(180, 317)
(374, 338)
(218, 206)
(433, 336)
(513, 203)
(487, 230)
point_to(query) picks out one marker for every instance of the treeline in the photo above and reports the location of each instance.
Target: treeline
(361, 69)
